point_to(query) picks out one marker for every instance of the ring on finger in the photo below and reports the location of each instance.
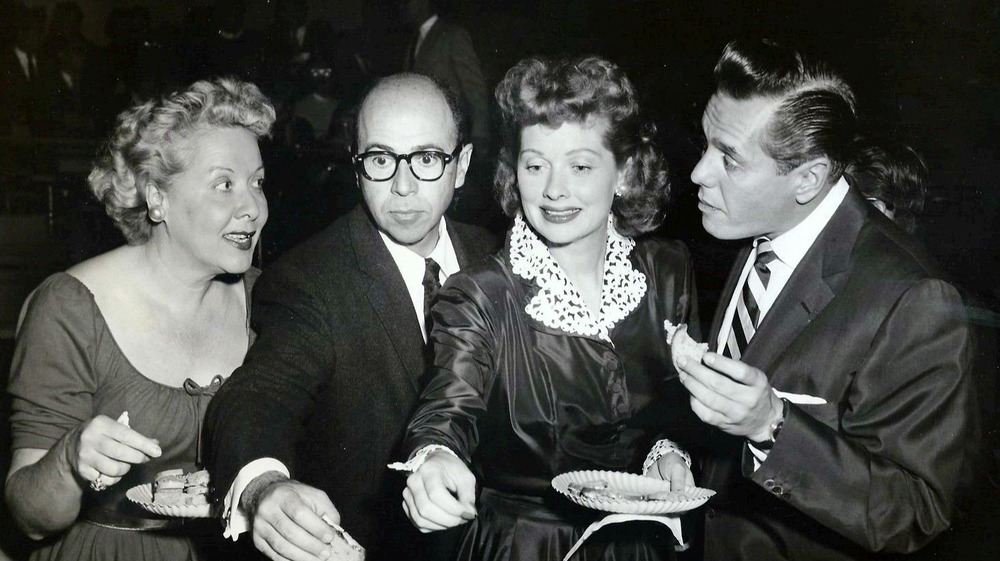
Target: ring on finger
(98, 483)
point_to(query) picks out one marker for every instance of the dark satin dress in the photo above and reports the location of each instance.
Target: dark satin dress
(523, 402)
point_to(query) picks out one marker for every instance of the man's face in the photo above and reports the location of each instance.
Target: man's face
(741, 194)
(403, 117)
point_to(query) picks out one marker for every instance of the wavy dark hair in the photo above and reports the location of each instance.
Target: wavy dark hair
(895, 174)
(817, 115)
(554, 91)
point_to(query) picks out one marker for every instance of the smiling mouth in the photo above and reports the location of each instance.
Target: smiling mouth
(240, 240)
(559, 215)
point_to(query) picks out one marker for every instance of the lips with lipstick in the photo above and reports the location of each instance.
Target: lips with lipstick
(240, 240)
(559, 215)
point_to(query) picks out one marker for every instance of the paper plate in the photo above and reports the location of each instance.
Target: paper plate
(142, 495)
(665, 501)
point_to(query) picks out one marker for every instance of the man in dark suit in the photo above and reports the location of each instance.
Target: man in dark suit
(316, 413)
(443, 50)
(841, 379)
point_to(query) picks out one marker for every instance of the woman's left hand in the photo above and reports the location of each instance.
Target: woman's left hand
(672, 467)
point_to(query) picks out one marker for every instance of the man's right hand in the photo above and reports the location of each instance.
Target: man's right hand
(287, 519)
(440, 494)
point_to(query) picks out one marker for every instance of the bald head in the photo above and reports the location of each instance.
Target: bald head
(406, 116)
(403, 94)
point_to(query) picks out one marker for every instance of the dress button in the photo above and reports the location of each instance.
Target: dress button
(776, 490)
(613, 364)
(622, 409)
(768, 484)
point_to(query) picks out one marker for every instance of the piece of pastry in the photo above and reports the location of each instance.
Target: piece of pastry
(343, 545)
(682, 345)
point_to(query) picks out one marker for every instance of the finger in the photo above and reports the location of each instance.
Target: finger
(706, 414)
(133, 439)
(413, 512)
(708, 397)
(263, 547)
(108, 467)
(309, 513)
(428, 509)
(465, 490)
(120, 452)
(677, 477)
(303, 527)
(442, 492)
(713, 379)
(274, 535)
(737, 371)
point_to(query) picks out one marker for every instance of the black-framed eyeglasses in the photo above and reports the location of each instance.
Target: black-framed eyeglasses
(425, 165)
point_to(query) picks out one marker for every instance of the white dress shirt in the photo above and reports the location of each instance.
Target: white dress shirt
(411, 266)
(789, 249)
(425, 28)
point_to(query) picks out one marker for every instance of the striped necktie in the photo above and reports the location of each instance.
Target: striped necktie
(746, 318)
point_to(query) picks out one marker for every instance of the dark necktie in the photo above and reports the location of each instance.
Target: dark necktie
(432, 283)
(746, 318)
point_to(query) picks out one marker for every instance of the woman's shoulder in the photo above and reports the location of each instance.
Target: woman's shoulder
(659, 251)
(105, 269)
(59, 299)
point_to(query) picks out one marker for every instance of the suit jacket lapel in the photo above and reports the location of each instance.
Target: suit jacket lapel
(815, 282)
(387, 295)
(727, 296)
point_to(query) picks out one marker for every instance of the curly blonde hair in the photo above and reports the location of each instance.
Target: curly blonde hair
(144, 146)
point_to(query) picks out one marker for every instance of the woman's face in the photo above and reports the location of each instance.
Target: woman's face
(215, 209)
(567, 179)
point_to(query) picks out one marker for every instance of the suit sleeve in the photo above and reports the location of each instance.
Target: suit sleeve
(889, 477)
(454, 399)
(258, 412)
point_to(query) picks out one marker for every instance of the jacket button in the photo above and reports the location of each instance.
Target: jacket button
(769, 483)
(711, 514)
(776, 490)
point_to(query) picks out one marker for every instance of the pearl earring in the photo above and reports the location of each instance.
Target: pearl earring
(156, 214)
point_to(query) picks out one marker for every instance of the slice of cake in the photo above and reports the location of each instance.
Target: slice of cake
(682, 345)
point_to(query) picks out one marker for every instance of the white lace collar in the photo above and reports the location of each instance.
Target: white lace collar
(558, 304)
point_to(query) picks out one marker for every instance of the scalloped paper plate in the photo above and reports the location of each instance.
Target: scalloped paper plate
(142, 495)
(629, 483)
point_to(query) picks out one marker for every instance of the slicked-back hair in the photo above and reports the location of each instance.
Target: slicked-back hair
(895, 174)
(817, 115)
(555, 91)
(146, 145)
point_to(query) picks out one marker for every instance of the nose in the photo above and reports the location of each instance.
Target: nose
(404, 182)
(251, 205)
(555, 186)
(703, 173)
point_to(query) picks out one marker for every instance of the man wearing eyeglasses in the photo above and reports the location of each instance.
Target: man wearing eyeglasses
(305, 428)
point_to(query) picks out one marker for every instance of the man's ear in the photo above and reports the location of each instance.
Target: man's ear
(464, 158)
(811, 179)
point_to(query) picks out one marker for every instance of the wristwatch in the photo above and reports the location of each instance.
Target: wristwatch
(776, 427)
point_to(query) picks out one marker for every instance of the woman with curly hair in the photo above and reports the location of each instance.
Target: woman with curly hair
(551, 357)
(150, 328)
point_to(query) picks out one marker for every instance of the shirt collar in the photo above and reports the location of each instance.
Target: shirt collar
(408, 260)
(791, 246)
(425, 27)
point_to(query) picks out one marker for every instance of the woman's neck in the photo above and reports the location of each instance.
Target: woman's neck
(583, 263)
(173, 276)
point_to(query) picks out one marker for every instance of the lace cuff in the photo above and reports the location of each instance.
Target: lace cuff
(660, 449)
(418, 459)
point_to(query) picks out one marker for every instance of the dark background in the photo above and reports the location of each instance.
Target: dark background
(926, 73)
